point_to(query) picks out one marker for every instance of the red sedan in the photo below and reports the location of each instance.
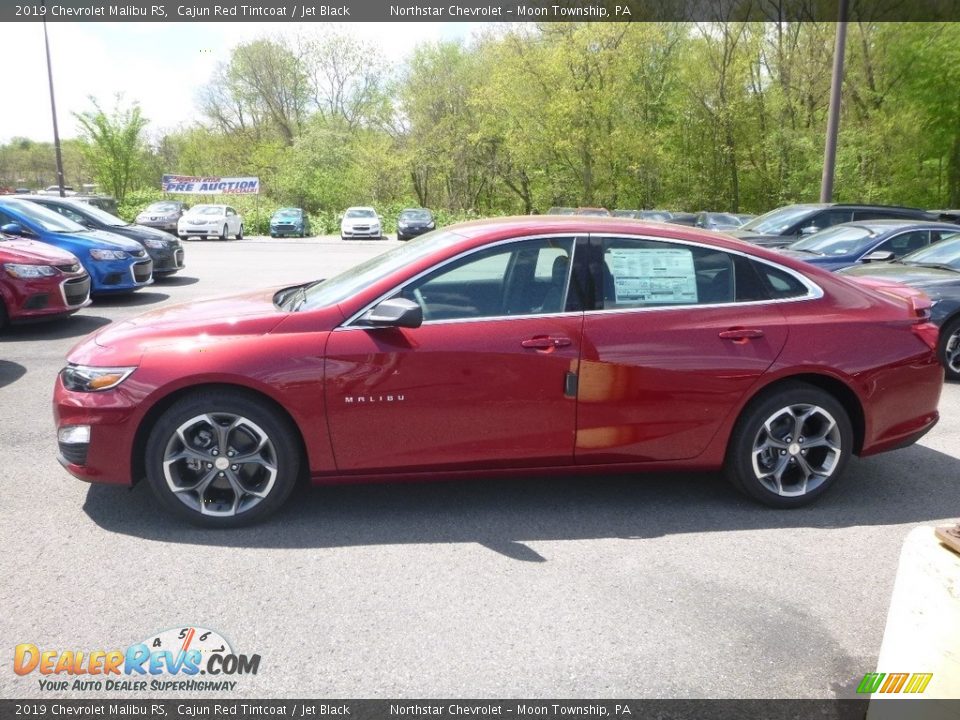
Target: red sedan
(39, 281)
(508, 346)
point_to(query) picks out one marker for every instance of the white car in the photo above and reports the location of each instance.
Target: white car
(220, 221)
(360, 222)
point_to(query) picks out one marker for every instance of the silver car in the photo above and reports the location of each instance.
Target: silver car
(162, 215)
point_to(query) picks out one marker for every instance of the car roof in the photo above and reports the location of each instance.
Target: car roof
(882, 226)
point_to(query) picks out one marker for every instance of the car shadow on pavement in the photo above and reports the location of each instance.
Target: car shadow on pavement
(175, 280)
(913, 485)
(133, 299)
(70, 327)
(10, 372)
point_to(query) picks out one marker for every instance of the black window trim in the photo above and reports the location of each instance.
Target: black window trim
(814, 291)
(576, 237)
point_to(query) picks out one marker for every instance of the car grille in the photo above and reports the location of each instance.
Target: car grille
(142, 271)
(361, 228)
(69, 268)
(76, 290)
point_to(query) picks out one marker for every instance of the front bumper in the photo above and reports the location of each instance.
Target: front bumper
(165, 225)
(111, 276)
(287, 229)
(188, 229)
(43, 298)
(361, 231)
(167, 260)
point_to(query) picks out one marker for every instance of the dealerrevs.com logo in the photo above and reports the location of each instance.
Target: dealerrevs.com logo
(184, 659)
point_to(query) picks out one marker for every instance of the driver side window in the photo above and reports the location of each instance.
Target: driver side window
(528, 277)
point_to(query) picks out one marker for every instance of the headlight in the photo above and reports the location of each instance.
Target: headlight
(431, 224)
(29, 272)
(84, 378)
(108, 254)
(155, 243)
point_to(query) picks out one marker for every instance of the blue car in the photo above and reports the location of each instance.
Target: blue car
(115, 264)
(289, 221)
(853, 243)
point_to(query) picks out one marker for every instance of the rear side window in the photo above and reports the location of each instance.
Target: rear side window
(779, 283)
(652, 273)
(906, 242)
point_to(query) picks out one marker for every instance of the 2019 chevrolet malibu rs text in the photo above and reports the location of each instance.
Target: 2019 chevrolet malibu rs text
(509, 346)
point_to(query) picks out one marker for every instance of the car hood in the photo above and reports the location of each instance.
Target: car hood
(360, 221)
(826, 261)
(912, 275)
(201, 321)
(99, 238)
(189, 217)
(30, 251)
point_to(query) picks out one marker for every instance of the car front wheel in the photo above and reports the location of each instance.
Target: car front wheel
(240, 233)
(949, 348)
(789, 446)
(222, 459)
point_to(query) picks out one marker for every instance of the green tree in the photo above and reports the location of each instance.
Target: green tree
(115, 145)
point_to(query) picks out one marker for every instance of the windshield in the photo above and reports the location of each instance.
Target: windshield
(162, 207)
(779, 220)
(360, 213)
(101, 215)
(287, 212)
(346, 284)
(835, 241)
(415, 215)
(47, 220)
(945, 252)
(207, 210)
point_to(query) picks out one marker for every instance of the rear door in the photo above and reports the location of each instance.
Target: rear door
(682, 333)
(488, 380)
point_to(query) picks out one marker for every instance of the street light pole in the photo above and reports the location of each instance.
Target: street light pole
(833, 118)
(53, 106)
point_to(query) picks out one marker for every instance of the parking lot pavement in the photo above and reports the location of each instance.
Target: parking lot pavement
(660, 586)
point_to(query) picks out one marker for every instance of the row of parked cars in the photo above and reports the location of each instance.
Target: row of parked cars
(56, 252)
(719, 221)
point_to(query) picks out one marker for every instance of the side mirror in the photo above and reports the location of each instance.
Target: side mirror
(878, 256)
(809, 230)
(396, 312)
(12, 229)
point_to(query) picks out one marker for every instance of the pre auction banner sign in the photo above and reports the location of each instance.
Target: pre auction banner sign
(192, 185)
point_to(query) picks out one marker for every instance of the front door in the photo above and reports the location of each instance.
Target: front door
(487, 381)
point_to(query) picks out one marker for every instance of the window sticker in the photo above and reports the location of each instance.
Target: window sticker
(653, 276)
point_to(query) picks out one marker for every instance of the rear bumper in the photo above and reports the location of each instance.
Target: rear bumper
(903, 407)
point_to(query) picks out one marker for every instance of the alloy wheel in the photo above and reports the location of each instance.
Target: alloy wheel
(796, 450)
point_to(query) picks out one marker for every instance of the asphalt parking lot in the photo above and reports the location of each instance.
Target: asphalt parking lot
(655, 586)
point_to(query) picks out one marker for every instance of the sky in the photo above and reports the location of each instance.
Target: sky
(161, 65)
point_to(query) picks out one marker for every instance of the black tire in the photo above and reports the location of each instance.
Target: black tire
(950, 336)
(791, 457)
(183, 238)
(4, 317)
(281, 450)
(240, 233)
(223, 233)
(273, 235)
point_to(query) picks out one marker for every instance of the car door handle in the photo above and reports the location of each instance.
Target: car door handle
(543, 341)
(741, 334)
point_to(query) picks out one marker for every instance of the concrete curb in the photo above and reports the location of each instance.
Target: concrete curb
(923, 628)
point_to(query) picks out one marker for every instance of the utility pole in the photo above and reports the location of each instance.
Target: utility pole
(53, 106)
(833, 118)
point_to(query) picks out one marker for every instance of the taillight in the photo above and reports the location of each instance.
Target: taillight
(928, 332)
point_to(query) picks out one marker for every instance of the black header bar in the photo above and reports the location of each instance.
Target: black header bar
(473, 10)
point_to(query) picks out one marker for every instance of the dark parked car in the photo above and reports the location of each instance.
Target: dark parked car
(162, 215)
(780, 227)
(103, 202)
(853, 243)
(718, 222)
(414, 221)
(626, 213)
(593, 211)
(165, 251)
(290, 221)
(683, 218)
(562, 211)
(511, 345)
(936, 271)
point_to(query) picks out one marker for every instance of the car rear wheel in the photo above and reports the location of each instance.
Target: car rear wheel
(949, 348)
(240, 233)
(789, 446)
(222, 459)
(4, 317)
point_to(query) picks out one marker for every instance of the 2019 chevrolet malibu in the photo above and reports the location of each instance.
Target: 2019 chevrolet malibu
(515, 345)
